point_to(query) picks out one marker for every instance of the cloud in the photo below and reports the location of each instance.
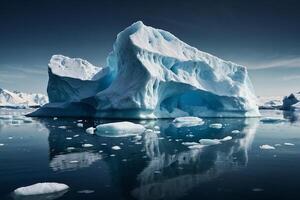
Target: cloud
(279, 62)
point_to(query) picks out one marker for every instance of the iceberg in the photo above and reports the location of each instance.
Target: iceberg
(149, 74)
(290, 101)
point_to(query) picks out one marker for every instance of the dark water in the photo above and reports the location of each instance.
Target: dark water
(155, 166)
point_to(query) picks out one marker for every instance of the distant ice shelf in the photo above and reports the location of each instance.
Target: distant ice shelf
(149, 74)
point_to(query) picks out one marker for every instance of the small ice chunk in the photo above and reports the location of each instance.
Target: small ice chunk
(266, 146)
(70, 148)
(5, 117)
(189, 143)
(40, 188)
(216, 125)
(27, 120)
(62, 127)
(115, 148)
(76, 135)
(187, 121)
(277, 145)
(289, 144)
(235, 131)
(86, 191)
(87, 145)
(69, 138)
(10, 138)
(227, 138)
(74, 161)
(1, 144)
(90, 130)
(156, 127)
(209, 142)
(119, 129)
(55, 118)
(80, 124)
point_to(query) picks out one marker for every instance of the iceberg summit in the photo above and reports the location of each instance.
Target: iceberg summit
(149, 74)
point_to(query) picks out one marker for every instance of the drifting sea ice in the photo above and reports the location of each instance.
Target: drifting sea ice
(272, 120)
(266, 147)
(119, 129)
(187, 121)
(40, 188)
(87, 145)
(289, 144)
(80, 124)
(90, 130)
(216, 125)
(115, 148)
(209, 142)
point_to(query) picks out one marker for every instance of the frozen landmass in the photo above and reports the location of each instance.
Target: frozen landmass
(187, 121)
(289, 102)
(270, 103)
(150, 74)
(119, 129)
(17, 99)
(41, 188)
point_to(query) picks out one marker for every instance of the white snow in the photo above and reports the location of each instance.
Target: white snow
(116, 147)
(90, 130)
(150, 74)
(40, 188)
(266, 146)
(216, 125)
(187, 121)
(119, 129)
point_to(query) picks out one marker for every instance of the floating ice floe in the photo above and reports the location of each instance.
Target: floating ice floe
(87, 145)
(5, 117)
(62, 127)
(90, 130)
(1, 144)
(272, 120)
(216, 125)
(209, 142)
(115, 148)
(235, 131)
(40, 188)
(289, 144)
(80, 124)
(119, 129)
(189, 143)
(187, 121)
(227, 138)
(266, 146)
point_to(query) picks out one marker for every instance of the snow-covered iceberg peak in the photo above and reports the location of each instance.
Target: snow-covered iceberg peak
(72, 79)
(157, 73)
(73, 67)
(151, 74)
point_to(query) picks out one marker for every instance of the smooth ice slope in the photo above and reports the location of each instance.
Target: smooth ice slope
(152, 74)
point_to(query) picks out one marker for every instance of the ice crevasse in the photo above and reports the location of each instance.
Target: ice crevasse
(149, 74)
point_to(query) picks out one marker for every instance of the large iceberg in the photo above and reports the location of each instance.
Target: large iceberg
(150, 74)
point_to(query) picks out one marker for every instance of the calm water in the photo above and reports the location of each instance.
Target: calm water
(155, 166)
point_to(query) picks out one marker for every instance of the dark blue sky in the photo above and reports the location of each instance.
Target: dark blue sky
(255, 33)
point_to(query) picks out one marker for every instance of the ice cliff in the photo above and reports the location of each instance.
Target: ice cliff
(150, 74)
